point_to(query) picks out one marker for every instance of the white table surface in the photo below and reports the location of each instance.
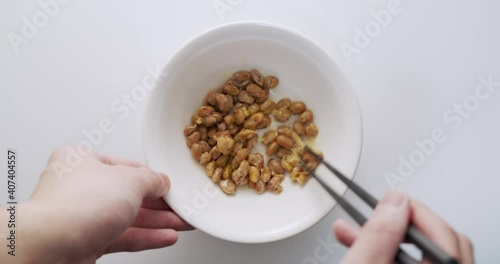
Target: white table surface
(63, 80)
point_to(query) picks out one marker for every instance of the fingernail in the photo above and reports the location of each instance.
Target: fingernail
(166, 180)
(395, 198)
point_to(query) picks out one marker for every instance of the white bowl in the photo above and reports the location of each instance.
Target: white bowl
(307, 73)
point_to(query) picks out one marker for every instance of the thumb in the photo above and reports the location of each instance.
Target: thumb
(151, 184)
(380, 237)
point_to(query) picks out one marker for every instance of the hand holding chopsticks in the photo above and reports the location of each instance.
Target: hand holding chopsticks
(429, 249)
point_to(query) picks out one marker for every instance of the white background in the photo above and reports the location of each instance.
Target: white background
(429, 57)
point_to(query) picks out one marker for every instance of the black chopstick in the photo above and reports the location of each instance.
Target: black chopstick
(401, 255)
(413, 235)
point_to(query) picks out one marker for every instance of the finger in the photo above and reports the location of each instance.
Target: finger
(466, 249)
(147, 218)
(381, 235)
(435, 228)
(137, 239)
(151, 185)
(114, 161)
(58, 155)
(155, 204)
(345, 232)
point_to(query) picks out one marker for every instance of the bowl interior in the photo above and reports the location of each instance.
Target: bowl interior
(306, 73)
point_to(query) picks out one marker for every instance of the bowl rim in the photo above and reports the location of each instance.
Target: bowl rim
(251, 23)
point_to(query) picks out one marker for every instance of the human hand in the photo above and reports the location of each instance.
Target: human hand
(101, 206)
(379, 239)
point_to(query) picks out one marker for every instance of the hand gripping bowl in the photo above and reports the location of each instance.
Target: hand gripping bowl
(307, 73)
